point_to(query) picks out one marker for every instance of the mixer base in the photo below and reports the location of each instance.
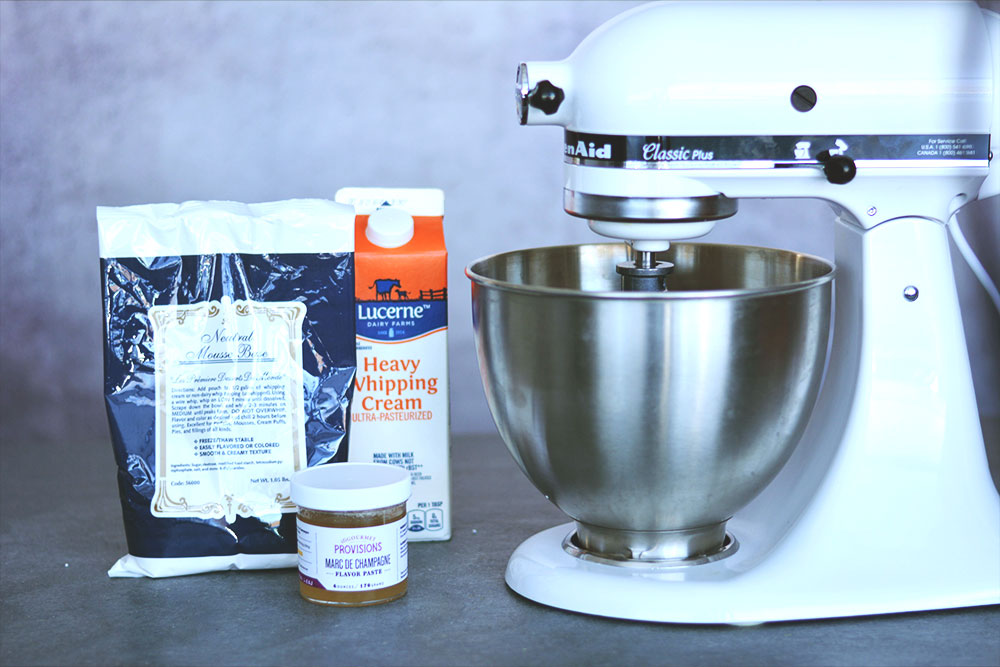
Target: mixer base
(727, 591)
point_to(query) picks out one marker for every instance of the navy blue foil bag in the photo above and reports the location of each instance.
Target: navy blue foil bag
(229, 363)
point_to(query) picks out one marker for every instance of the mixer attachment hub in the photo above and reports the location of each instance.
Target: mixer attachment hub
(700, 208)
(643, 273)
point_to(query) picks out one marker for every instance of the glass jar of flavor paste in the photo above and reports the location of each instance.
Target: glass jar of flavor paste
(351, 532)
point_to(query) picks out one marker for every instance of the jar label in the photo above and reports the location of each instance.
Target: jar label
(230, 421)
(352, 559)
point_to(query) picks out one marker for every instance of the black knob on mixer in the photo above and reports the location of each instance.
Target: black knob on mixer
(839, 169)
(546, 97)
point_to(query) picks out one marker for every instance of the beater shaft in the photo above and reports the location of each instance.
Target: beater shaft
(643, 273)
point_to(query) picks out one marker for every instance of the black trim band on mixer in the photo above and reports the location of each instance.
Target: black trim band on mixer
(664, 152)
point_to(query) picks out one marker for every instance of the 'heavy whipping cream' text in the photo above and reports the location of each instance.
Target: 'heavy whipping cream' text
(403, 391)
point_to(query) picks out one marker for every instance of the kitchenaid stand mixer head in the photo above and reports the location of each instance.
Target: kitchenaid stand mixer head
(646, 223)
(672, 113)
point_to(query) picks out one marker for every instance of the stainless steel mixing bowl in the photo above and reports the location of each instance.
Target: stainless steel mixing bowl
(651, 418)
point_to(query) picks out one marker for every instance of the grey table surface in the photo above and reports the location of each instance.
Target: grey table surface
(60, 530)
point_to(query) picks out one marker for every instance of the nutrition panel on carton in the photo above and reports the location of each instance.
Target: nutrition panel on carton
(399, 414)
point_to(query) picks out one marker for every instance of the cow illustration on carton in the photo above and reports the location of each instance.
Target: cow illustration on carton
(383, 288)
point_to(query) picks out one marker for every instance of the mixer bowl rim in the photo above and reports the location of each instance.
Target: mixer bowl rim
(749, 292)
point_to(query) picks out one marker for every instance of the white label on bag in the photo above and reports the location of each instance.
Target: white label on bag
(230, 423)
(352, 559)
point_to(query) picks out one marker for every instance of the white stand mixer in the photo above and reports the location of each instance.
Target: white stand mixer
(673, 112)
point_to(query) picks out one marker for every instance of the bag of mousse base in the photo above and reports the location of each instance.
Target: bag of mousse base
(228, 365)
(400, 410)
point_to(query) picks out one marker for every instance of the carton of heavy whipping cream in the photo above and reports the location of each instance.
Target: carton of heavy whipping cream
(399, 414)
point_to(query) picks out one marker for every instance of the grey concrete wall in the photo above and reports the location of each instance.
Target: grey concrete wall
(121, 103)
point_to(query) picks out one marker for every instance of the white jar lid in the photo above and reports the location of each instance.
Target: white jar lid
(350, 487)
(389, 227)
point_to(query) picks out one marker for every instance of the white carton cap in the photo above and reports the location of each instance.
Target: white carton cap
(389, 227)
(350, 487)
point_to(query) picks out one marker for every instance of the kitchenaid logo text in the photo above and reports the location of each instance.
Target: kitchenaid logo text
(366, 312)
(583, 149)
(654, 152)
